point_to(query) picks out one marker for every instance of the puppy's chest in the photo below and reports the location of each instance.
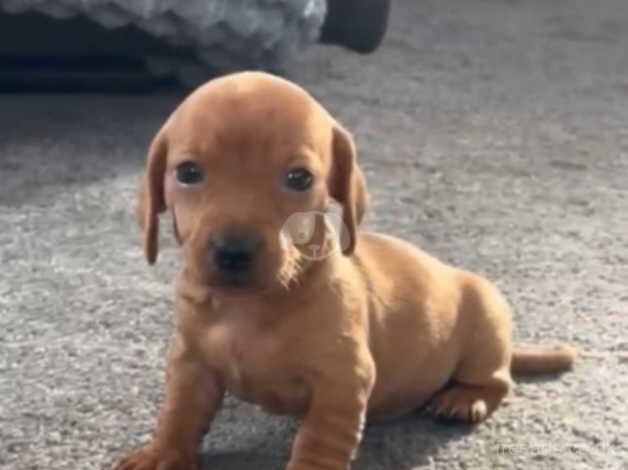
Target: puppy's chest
(259, 368)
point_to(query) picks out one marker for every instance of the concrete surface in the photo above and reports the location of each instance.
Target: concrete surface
(494, 133)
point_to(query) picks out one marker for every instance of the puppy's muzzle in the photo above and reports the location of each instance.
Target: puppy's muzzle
(233, 256)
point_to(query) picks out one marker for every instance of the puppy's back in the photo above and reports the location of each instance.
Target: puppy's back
(390, 263)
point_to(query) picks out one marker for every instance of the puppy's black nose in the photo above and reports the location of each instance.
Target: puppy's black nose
(234, 254)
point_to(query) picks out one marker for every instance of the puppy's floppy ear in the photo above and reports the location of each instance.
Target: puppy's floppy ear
(151, 201)
(346, 184)
(360, 195)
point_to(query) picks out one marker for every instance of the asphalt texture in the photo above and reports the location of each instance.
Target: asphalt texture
(493, 133)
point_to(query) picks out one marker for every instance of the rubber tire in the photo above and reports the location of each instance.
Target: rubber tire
(359, 25)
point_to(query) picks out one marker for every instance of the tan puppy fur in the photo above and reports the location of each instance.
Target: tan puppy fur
(379, 329)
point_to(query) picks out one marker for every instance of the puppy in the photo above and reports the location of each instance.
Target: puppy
(362, 325)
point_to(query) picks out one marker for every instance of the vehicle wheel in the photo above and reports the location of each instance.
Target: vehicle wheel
(359, 25)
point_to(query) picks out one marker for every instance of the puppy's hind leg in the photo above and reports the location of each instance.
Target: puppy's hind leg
(466, 402)
(482, 378)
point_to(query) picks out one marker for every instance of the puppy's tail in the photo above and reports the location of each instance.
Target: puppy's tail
(542, 359)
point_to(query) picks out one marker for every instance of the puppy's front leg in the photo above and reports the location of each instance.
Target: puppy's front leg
(193, 395)
(331, 431)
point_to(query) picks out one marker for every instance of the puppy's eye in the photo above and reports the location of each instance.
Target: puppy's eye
(189, 173)
(299, 179)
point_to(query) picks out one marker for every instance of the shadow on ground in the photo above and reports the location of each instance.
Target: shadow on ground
(61, 143)
(402, 444)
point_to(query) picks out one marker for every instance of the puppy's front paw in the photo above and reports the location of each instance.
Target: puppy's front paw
(150, 458)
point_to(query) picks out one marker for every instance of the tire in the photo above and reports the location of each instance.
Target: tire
(359, 25)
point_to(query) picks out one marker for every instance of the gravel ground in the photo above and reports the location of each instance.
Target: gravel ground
(493, 133)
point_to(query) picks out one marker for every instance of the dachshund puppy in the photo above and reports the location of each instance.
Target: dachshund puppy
(280, 309)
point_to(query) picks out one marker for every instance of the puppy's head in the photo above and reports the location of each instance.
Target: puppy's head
(234, 163)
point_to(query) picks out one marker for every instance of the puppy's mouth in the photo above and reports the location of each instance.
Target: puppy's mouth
(241, 285)
(234, 283)
(269, 272)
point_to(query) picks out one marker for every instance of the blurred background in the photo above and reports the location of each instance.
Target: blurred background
(492, 133)
(118, 45)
